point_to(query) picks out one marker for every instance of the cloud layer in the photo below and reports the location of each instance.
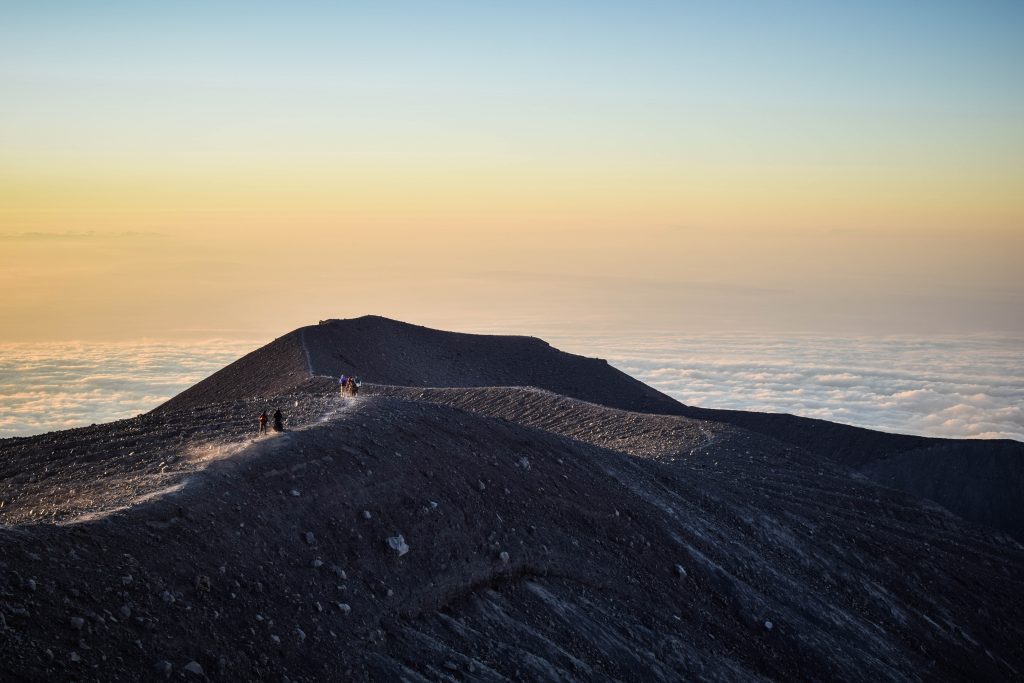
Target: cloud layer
(44, 387)
(946, 387)
(950, 387)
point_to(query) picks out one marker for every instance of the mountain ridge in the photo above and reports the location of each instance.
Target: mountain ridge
(392, 352)
(479, 533)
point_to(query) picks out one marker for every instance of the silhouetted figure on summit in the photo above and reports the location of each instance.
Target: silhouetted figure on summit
(278, 421)
(263, 423)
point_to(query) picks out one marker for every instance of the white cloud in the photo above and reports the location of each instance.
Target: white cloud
(947, 387)
(840, 379)
(970, 387)
(44, 387)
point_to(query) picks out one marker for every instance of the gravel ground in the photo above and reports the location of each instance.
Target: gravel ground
(479, 533)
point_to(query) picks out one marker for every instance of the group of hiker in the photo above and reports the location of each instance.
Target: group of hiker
(278, 421)
(349, 384)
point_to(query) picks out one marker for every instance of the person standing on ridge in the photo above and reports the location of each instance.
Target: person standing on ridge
(278, 421)
(342, 381)
(263, 423)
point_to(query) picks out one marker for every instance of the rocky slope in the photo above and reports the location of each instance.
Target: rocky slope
(486, 533)
(982, 481)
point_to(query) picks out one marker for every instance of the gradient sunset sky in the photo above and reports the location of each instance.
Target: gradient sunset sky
(237, 169)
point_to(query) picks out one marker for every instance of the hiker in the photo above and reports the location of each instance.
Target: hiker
(263, 423)
(342, 381)
(278, 421)
(351, 389)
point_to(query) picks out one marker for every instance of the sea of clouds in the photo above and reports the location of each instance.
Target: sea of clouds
(952, 387)
(936, 386)
(51, 386)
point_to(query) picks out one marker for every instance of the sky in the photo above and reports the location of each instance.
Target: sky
(231, 169)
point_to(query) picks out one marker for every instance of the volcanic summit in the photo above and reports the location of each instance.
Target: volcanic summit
(489, 508)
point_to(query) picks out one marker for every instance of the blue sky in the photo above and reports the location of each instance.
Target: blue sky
(677, 146)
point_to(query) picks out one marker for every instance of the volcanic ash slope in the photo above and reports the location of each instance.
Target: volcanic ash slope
(479, 533)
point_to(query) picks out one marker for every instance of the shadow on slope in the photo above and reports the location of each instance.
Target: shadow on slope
(980, 480)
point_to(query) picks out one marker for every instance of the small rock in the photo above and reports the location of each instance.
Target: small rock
(167, 597)
(126, 580)
(31, 585)
(193, 668)
(295, 493)
(398, 544)
(367, 515)
(504, 557)
(769, 625)
(344, 607)
(77, 623)
(73, 656)
(450, 665)
(481, 485)
(310, 538)
(680, 571)
(300, 634)
(316, 564)
(524, 462)
(275, 639)
(339, 572)
(203, 583)
(126, 611)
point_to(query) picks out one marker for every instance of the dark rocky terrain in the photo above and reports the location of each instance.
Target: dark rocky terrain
(981, 481)
(488, 509)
